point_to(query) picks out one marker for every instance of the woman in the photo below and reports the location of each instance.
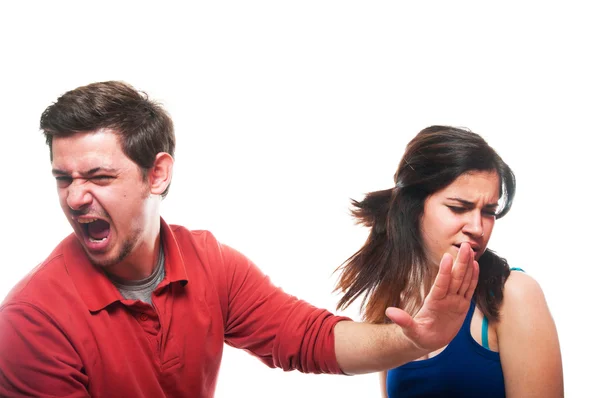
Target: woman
(450, 188)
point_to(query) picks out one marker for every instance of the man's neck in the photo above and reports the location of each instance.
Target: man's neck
(140, 263)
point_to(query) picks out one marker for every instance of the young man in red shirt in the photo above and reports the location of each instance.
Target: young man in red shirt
(129, 305)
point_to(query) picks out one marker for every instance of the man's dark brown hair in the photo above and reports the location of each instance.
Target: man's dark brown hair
(144, 128)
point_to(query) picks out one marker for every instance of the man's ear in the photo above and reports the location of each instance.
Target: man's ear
(160, 174)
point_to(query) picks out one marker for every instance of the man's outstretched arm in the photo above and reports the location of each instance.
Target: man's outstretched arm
(364, 348)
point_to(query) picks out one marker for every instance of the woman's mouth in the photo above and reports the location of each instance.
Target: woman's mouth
(474, 247)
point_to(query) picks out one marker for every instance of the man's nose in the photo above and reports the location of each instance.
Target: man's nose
(78, 196)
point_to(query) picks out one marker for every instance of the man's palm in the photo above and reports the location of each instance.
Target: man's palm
(446, 305)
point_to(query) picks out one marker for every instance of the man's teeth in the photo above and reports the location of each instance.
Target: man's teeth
(87, 221)
(97, 240)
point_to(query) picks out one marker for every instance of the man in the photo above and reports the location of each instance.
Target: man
(129, 305)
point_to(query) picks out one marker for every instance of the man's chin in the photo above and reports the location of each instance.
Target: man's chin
(101, 261)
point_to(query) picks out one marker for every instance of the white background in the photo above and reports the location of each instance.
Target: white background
(285, 110)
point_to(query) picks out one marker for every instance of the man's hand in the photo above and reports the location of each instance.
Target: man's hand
(446, 305)
(363, 347)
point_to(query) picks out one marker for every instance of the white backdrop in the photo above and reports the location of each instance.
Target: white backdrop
(285, 110)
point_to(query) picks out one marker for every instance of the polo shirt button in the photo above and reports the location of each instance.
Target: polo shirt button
(143, 317)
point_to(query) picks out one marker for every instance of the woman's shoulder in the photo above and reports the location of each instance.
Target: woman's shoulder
(521, 286)
(523, 299)
(528, 340)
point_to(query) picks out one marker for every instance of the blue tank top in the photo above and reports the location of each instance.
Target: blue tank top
(463, 369)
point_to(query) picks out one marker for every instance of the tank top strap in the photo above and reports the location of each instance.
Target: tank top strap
(484, 323)
(466, 326)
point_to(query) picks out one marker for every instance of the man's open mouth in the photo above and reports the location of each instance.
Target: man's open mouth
(95, 229)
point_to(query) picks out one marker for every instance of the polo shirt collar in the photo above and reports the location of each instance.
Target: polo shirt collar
(94, 287)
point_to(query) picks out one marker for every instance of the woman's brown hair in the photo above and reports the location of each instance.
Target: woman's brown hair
(390, 269)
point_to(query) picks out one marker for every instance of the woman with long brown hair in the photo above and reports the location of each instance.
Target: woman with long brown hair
(449, 188)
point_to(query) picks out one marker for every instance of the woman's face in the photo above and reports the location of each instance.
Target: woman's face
(464, 211)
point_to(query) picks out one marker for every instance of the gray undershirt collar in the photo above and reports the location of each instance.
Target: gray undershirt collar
(142, 289)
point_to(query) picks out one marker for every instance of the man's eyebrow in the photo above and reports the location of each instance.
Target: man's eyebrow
(59, 172)
(88, 173)
(471, 204)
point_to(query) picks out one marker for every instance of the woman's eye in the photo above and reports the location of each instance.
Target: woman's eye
(490, 213)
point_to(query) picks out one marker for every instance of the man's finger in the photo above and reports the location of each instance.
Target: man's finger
(400, 317)
(467, 280)
(459, 269)
(439, 290)
(474, 280)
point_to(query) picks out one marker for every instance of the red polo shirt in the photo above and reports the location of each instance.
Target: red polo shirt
(65, 330)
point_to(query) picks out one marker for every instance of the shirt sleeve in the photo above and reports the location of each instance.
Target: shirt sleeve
(279, 329)
(36, 358)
